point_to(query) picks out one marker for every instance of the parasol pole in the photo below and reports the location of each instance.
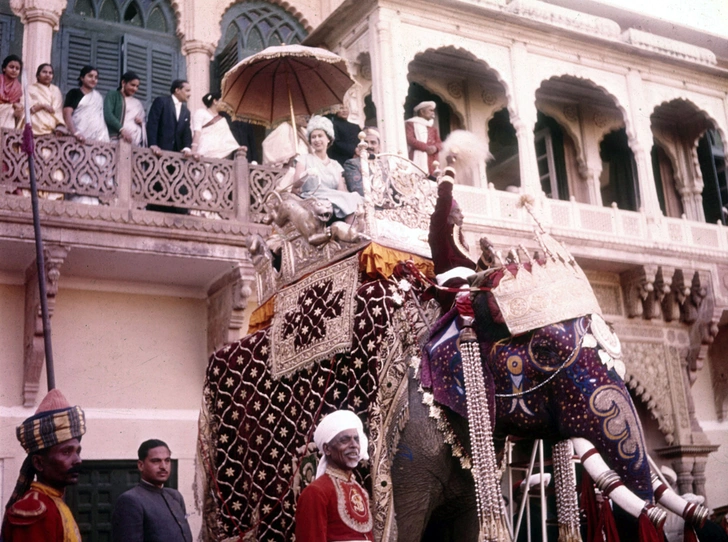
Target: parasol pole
(293, 118)
(28, 147)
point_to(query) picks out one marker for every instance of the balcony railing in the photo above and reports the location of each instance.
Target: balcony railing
(120, 175)
(490, 207)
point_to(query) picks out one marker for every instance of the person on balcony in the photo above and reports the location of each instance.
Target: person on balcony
(346, 135)
(168, 125)
(423, 140)
(83, 109)
(352, 167)
(123, 113)
(212, 135)
(319, 176)
(46, 103)
(279, 147)
(11, 93)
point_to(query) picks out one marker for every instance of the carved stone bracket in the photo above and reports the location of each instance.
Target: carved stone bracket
(639, 287)
(227, 300)
(34, 347)
(689, 463)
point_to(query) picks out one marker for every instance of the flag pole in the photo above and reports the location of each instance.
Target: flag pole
(29, 148)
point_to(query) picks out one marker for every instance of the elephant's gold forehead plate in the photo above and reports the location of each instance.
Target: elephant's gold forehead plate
(552, 290)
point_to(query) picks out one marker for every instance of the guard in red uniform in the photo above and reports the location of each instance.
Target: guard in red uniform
(335, 507)
(36, 511)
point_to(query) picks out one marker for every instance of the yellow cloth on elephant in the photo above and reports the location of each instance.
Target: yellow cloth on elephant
(374, 259)
(262, 316)
(377, 260)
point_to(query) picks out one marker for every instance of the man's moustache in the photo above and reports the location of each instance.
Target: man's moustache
(78, 469)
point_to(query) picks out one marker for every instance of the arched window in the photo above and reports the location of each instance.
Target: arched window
(619, 179)
(116, 36)
(251, 27)
(711, 155)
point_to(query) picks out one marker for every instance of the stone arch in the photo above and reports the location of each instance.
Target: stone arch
(469, 85)
(678, 124)
(707, 121)
(225, 5)
(458, 50)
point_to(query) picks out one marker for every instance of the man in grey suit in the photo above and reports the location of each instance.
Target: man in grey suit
(151, 512)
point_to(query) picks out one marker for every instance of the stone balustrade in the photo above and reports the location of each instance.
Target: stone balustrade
(119, 175)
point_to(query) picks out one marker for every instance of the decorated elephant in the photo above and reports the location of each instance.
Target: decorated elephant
(348, 335)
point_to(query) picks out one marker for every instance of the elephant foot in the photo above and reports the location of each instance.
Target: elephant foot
(693, 513)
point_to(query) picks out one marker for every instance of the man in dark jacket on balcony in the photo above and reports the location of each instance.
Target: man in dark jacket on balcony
(168, 125)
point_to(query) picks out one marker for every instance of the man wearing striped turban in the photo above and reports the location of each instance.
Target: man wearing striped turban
(334, 507)
(52, 438)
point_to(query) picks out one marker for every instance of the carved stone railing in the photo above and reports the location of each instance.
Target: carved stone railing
(120, 175)
(569, 219)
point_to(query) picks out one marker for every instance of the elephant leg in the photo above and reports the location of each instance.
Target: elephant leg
(610, 485)
(426, 478)
(693, 513)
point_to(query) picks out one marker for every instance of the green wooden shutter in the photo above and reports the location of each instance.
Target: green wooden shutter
(77, 53)
(6, 34)
(154, 63)
(81, 49)
(136, 59)
(107, 60)
(164, 70)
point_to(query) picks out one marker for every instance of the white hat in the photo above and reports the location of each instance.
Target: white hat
(332, 425)
(317, 122)
(422, 105)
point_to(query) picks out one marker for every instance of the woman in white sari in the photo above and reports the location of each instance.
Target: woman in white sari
(124, 114)
(46, 102)
(83, 109)
(212, 135)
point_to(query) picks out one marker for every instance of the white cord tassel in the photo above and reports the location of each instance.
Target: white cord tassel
(567, 505)
(491, 514)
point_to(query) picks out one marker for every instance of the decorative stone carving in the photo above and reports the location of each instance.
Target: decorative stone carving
(600, 119)
(455, 89)
(568, 19)
(47, 11)
(489, 98)
(638, 285)
(690, 308)
(34, 346)
(571, 112)
(648, 374)
(672, 302)
(227, 300)
(688, 461)
(669, 47)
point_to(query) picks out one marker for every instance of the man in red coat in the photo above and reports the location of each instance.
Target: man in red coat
(36, 511)
(423, 140)
(335, 507)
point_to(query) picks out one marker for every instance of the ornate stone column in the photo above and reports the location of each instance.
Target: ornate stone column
(524, 118)
(389, 78)
(40, 18)
(640, 141)
(199, 54)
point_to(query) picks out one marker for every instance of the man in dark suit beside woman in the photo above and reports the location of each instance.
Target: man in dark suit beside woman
(168, 125)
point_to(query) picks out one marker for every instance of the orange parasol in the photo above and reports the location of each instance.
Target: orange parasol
(284, 81)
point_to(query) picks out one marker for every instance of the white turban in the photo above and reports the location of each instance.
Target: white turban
(422, 105)
(332, 425)
(318, 122)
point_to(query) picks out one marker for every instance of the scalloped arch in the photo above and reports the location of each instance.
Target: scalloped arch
(623, 112)
(472, 56)
(690, 103)
(174, 4)
(290, 8)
